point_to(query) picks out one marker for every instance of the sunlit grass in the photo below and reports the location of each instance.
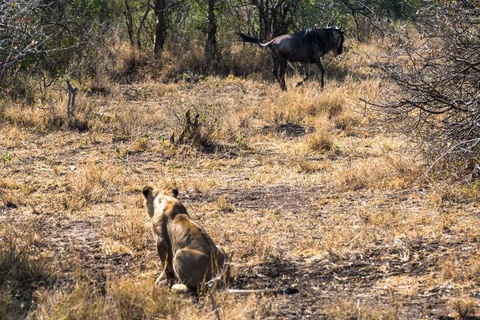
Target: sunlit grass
(335, 188)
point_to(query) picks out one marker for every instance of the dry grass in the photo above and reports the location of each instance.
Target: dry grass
(22, 269)
(306, 187)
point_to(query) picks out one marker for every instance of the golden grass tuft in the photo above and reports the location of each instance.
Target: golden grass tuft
(12, 136)
(140, 298)
(92, 182)
(82, 302)
(350, 309)
(348, 122)
(22, 268)
(304, 165)
(127, 234)
(461, 268)
(14, 193)
(377, 172)
(319, 141)
(463, 307)
(134, 298)
(35, 118)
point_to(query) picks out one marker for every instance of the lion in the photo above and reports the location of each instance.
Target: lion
(188, 254)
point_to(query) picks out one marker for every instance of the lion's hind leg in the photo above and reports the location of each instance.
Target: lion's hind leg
(192, 267)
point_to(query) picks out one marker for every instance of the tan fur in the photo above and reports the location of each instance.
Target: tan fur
(187, 252)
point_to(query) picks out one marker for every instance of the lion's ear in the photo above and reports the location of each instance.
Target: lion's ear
(173, 192)
(147, 191)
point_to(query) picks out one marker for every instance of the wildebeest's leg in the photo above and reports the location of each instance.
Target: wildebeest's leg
(322, 70)
(275, 69)
(281, 74)
(306, 71)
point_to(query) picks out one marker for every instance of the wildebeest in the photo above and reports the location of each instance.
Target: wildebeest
(306, 46)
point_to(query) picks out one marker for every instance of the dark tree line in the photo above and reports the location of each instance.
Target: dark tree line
(64, 29)
(51, 34)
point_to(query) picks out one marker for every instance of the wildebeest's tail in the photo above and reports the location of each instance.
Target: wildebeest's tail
(246, 38)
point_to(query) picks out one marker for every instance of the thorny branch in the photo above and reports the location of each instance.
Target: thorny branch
(435, 89)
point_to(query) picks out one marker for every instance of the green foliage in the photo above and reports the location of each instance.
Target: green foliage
(77, 30)
(321, 13)
(48, 40)
(241, 141)
(20, 36)
(137, 21)
(398, 9)
(6, 157)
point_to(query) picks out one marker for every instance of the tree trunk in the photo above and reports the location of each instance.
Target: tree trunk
(274, 17)
(161, 26)
(211, 46)
(129, 22)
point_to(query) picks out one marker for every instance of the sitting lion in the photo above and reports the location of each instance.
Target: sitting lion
(187, 252)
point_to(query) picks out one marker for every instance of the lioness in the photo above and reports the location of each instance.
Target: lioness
(187, 252)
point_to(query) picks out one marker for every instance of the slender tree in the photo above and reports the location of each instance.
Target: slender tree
(161, 15)
(134, 28)
(211, 46)
(275, 17)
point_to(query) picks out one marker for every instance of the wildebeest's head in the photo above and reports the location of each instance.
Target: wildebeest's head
(327, 39)
(336, 38)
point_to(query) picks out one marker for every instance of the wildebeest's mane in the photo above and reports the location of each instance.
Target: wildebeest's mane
(319, 38)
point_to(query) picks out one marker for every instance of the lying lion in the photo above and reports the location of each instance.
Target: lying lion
(187, 252)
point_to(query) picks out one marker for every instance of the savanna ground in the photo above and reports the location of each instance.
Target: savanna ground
(307, 188)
